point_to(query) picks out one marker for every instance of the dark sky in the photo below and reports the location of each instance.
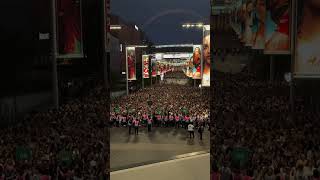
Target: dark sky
(162, 19)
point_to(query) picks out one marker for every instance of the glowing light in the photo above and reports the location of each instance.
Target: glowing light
(115, 27)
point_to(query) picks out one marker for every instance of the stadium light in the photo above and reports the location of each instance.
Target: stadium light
(188, 25)
(115, 27)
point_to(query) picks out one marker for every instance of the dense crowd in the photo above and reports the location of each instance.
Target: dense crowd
(162, 106)
(66, 143)
(175, 74)
(255, 115)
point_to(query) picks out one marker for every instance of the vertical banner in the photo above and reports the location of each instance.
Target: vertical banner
(248, 23)
(243, 12)
(158, 68)
(69, 29)
(159, 57)
(277, 27)
(258, 24)
(145, 59)
(131, 63)
(206, 56)
(161, 68)
(153, 66)
(107, 18)
(189, 67)
(196, 60)
(307, 62)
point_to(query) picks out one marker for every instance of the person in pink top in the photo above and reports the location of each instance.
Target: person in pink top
(171, 118)
(177, 118)
(215, 175)
(136, 126)
(159, 119)
(247, 176)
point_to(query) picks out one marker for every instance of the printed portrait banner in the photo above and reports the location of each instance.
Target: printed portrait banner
(248, 23)
(131, 63)
(258, 27)
(154, 66)
(162, 68)
(158, 68)
(206, 62)
(307, 62)
(145, 59)
(189, 67)
(277, 27)
(243, 12)
(69, 29)
(196, 61)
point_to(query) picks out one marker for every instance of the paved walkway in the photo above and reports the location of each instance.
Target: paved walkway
(159, 145)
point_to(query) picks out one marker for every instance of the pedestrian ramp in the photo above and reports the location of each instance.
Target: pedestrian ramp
(191, 166)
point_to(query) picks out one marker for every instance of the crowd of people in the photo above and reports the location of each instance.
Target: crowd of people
(71, 142)
(166, 105)
(256, 116)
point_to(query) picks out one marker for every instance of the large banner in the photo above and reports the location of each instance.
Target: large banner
(158, 68)
(206, 56)
(243, 11)
(145, 59)
(153, 66)
(248, 23)
(307, 61)
(188, 69)
(277, 27)
(69, 29)
(131, 63)
(196, 60)
(258, 24)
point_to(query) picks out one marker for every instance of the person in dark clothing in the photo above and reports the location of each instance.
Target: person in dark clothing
(130, 125)
(200, 130)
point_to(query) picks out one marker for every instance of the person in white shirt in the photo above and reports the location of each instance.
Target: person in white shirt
(191, 130)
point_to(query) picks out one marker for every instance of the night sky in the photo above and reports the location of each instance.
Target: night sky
(162, 19)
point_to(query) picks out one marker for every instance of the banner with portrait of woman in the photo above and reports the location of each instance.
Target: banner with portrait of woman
(258, 24)
(131, 63)
(153, 66)
(196, 61)
(307, 62)
(69, 29)
(145, 67)
(206, 62)
(248, 22)
(242, 22)
(277, 27)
